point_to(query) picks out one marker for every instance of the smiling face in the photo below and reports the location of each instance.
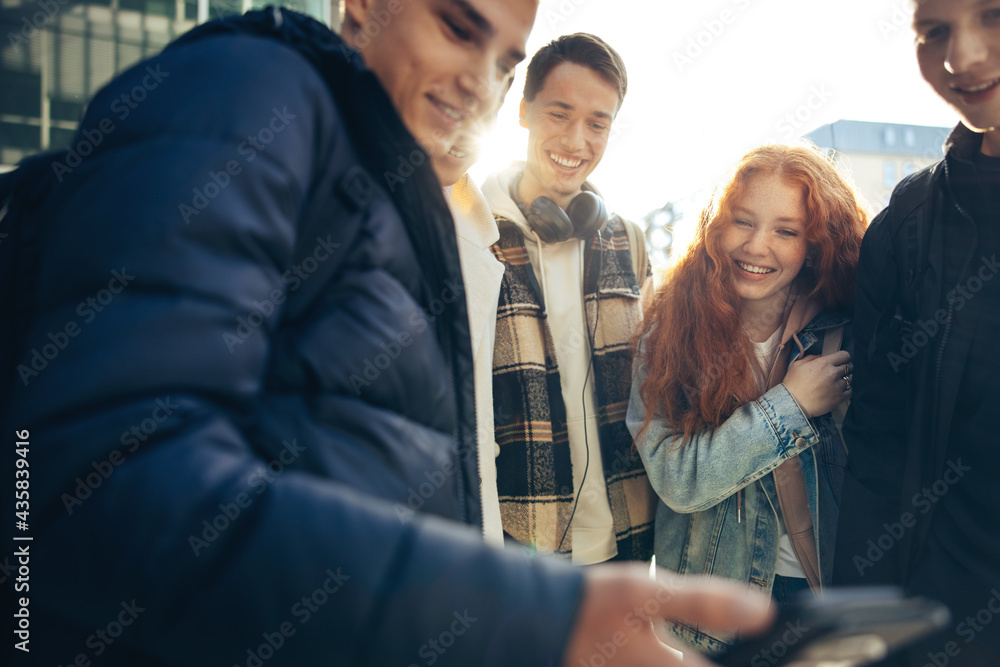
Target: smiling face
(568, 123)
(451, 166)
(958, 49)
(766, 243)
(442, 62)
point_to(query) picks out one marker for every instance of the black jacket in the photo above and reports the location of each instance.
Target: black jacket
(261, 383)
(916, 328)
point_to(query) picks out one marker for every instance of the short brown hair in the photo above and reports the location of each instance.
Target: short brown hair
(581, 49)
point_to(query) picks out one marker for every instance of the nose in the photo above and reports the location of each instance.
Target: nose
(573, 137)
(479, 82)
(756, 243)
(967, 48)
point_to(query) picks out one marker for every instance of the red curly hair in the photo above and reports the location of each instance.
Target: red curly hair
(699, 359)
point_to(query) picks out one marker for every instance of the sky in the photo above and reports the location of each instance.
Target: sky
(709, 80)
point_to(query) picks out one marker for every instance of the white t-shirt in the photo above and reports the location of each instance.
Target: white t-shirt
(788, 563)
(560, 273)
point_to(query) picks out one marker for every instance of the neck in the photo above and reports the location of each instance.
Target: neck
(991, 143)
(760, 320)
(530, 188)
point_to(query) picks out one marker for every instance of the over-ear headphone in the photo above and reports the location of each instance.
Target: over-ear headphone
(585, 217)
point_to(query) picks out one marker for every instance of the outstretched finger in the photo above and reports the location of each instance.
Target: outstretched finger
(713, 603)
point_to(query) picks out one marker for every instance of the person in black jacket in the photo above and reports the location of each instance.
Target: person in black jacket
(244, 378)
(920, 507)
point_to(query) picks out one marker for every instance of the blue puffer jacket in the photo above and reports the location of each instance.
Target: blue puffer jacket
(245, 377)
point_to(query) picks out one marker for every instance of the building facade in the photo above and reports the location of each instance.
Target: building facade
(56, 54)
(879, 155)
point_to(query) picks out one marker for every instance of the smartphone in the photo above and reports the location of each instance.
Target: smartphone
(846, 627)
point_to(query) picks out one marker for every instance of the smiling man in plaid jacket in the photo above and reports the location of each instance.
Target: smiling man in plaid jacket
(571, 298)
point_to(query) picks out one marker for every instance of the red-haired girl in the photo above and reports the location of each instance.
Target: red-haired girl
(732, 392)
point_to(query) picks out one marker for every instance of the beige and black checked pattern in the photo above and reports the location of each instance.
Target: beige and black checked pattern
(534, 471)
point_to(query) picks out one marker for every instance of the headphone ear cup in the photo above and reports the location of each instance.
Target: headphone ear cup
(549, 221)
(588, 215)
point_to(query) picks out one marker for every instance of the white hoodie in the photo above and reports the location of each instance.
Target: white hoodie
(481, 272)
(559, 270)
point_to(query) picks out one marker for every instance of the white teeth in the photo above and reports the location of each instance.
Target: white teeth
(451, 113)
(563, 162)
(980, 87)
(753, 269)
(455, 152)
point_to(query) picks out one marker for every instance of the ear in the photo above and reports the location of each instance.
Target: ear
(522, 114)
(358, 11)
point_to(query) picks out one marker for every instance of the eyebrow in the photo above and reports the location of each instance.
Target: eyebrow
(934, 21)
(483, 25)
(749, 213)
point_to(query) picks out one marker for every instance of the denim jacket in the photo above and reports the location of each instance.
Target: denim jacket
(697, 531)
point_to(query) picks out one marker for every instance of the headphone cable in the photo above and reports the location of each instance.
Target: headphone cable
(583, 395)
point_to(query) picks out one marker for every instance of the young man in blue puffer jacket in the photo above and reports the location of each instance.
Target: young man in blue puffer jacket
(243, 369)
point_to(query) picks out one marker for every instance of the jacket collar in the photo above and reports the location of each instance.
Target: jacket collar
(474, 221)
(963, 143)
(827, 319)
(807, 315)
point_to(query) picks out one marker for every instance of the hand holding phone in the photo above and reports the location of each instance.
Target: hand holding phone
(845, 627)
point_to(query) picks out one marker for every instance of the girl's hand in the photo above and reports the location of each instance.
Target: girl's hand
(819, 384)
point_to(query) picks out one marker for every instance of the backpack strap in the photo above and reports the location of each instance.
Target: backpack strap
(832, 340)
(637, 246)
(915, 203)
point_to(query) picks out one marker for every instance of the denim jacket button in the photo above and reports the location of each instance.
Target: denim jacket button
(800, 442)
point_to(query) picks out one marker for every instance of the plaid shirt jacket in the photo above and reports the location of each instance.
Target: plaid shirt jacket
(534, 471)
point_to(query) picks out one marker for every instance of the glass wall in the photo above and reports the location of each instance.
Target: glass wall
(56, 54)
